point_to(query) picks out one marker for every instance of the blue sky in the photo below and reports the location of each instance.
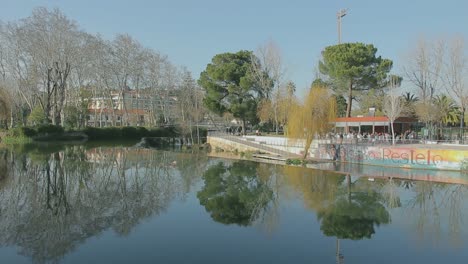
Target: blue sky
(192, 32)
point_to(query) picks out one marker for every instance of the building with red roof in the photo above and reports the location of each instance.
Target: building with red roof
(371, 124)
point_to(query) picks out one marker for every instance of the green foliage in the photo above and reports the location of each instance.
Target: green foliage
(354, 67)
(112, 133)
(130, 132)
(294, 162)
(16, 140)
(354, 217)
(449, 111)
(409, 101)
(105, 133)
(163, 132)
(74, 116)
(319, 83)
(49, 129)
(25, 134)
(341, 106)
(230, 86)
(37, 116)
(22, 132)
(234, 194)
(93, 133)
(464, 166)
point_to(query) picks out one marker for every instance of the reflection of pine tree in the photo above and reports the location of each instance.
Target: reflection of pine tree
(354, 217)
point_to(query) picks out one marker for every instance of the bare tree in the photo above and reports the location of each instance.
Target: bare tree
(424, 69)
(19, 70)
(269, 71)
(153, 83)
(47, 61)
(41, 49)
(190, 105)
(393, 106)
(455, 76)
(171, 80)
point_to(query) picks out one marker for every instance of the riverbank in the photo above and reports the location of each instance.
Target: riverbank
(355, 170)
(414, 156)
(50, 133)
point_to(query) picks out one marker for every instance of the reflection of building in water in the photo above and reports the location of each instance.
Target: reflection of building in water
(132, 107)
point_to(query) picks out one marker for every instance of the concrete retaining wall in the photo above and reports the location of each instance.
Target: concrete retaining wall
(279, 143)
(228, 145)
(415, 156)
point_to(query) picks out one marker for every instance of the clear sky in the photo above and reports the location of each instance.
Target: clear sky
(192, 32)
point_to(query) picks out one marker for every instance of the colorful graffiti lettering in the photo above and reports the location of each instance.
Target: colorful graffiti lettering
(397, 156)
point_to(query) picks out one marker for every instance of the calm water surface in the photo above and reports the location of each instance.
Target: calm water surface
(81, 204)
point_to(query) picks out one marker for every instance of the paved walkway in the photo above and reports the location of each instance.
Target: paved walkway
(259, 146)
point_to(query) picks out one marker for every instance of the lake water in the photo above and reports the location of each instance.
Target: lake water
(84, 204)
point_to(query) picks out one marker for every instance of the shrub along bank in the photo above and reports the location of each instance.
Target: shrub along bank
(57, 133)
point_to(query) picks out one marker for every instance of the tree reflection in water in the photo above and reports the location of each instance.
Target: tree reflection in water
(53, 201)
(346, 210)
(234, 194)
(54, 198)
(354, 217)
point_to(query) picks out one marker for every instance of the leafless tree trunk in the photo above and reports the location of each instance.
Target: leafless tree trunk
(48, 61)
(269, 71)
(425, 72)
(455, 77)
(425, 67)
(393, 106)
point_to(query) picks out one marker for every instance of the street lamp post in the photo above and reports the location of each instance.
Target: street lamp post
(462, 129)
(339, 16)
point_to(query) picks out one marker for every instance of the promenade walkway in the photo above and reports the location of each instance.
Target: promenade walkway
(259, 145)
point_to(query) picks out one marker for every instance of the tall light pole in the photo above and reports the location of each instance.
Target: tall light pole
(339, 16)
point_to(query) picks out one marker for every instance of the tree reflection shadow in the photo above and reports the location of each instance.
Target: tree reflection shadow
(53, 201)
(234, 194)
(354, 217)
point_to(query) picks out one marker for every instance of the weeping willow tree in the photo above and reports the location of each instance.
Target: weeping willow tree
(313, 117)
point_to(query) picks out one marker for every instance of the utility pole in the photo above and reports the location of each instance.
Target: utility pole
(339, 16)
(462, 129)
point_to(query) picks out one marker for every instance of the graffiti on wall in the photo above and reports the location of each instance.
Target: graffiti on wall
(395, 156)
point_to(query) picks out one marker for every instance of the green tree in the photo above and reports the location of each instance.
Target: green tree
(354, 217)
(341, 106)
(354, 67)
(409, 101)
(37, 116)
(318, 82)
(234, 194)
(230, 86)
(449, 112)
